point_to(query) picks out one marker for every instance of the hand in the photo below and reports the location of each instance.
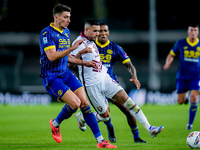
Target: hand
(91, 64)
(136, 81)
(86, 50)
(166, 66)
(77, 43)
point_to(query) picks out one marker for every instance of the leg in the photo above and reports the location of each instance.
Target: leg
(122, 97)
(91, 120)
(181, 98)
(88, 115)
(100, 104)
(65, 113)
(131, 121)
(193, 108)
(194, 96)
(105, 118)
(72, 104)
(182, 87)
(59, 89)
(116, 92)
(107, 121)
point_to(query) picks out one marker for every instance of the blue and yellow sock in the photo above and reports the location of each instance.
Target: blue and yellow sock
(65, 113)
(135, 132)
(192, 112)
(91, 121)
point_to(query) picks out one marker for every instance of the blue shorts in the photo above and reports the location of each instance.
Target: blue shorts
(59, 85)
(183, 86)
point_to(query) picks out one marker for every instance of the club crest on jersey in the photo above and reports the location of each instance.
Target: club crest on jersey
(66, 35)
(100, 108)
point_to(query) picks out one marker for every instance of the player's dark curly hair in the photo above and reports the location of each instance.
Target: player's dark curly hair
(60, 8)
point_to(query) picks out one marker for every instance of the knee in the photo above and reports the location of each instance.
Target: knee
(75, 104)
(194, 98)
(84, 103)
(180, 101)
(104, 117)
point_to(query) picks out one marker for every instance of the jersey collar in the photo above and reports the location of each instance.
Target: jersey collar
(52, 25)
(190, 43)
(102, 45)
(83, 35)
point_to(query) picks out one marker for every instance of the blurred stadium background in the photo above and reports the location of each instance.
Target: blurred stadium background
(146, 30)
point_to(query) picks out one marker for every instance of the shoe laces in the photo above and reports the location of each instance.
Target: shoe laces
(57, 130)
(104, 143)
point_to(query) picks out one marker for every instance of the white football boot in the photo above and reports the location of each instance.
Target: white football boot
(81, 121)
(153, 131)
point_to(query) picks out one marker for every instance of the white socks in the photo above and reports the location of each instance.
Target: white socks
(137, 113)
(99, 139)
(55, 124)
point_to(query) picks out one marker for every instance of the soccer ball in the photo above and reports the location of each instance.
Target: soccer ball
(193, 140)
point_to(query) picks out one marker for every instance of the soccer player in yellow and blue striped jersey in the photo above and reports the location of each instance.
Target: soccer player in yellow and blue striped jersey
(58, 79)
(110, 53)
(188, 75)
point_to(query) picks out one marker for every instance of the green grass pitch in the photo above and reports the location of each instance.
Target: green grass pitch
(27, 128)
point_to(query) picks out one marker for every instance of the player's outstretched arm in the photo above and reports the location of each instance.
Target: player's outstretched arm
(78, 56)
(74, 61)
(53, 55)
(132, 71)
(168, 61)
(83, 51)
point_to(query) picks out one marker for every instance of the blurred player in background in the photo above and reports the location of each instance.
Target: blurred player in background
(99, 85)
(58, 79)
(188, 75)
(110, 53)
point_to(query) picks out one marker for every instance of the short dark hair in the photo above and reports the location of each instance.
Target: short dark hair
(92, 22)
(193, 24)
(60, 8)
(102, 24)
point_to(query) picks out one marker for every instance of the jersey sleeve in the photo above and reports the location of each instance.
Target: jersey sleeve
(46, 40)
(123, 57)
(175, 50)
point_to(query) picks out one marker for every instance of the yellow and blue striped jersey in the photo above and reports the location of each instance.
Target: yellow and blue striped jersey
(52, 37)
(189, 60)
(109, 54)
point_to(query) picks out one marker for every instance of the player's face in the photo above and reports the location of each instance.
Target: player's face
(193, 32)
(103, 34)
(63, 19)
(93, 32)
